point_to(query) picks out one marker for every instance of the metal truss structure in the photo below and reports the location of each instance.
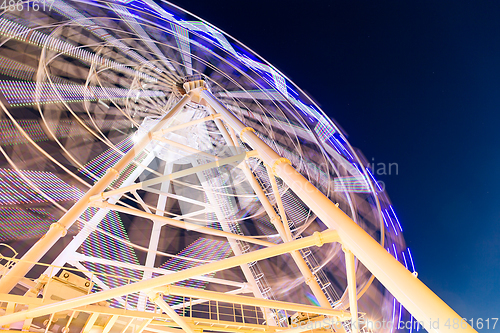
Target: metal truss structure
(283, 227)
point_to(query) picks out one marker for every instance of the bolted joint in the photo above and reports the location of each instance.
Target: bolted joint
(60, 228)
(310, 279)
(275, 219)
(319, 239)
(167, 290)
(194, 89)
(40, 283)
(93, 200)
(246, 129)
(114, 172)
(153, 297)
(278, 162)
(346, 250)
(193, 85)
(99, 204)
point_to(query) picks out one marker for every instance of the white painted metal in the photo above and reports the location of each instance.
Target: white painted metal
(317, 239)
(415, 296)
(57, 230)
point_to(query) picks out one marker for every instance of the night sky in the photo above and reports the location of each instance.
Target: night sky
(412, 83)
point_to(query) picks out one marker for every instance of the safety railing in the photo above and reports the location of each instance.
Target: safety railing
(62, 283)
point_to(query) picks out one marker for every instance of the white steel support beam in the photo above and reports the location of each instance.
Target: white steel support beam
(187, 149)
(310, 277)
(351, 285)
(127, 325)
(317, 239)
(190, 123)
(414, 295)
(175, 175)
(90, 323)
(68, 323)
(155, 233)
(275, 219)
(94, 278)
(181, 224)
(223, 130)
(28, 321)
(281, 225)
(58, 229)
(175, 196)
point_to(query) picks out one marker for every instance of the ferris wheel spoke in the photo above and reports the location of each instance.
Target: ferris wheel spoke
(75, 16)
(132, 22)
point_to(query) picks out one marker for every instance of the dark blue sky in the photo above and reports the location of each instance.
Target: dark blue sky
(413, 83)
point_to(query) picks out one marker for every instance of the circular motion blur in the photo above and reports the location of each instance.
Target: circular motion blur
(138, 138)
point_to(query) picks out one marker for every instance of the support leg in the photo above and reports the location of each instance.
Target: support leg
(58, 229)
(415, 296)
(351, 284)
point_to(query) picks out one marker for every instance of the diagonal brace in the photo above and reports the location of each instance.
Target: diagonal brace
(180, 224)
(175, 175)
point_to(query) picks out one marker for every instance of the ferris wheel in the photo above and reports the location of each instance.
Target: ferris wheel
(159, 176)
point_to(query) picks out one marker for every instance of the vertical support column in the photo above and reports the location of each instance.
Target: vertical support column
(155, 234)
(58, 229)
(156, 230)
(351, 284)
(415, 296)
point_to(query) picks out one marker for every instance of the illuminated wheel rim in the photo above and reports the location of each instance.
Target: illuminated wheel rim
(80, 80)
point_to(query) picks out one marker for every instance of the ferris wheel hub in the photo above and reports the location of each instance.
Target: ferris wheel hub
(194, 89)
